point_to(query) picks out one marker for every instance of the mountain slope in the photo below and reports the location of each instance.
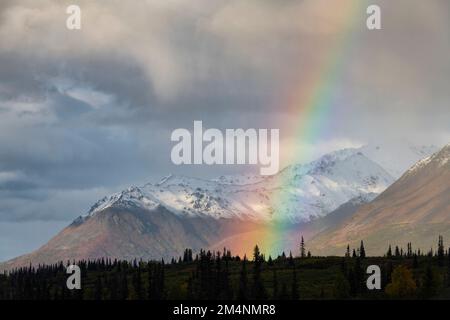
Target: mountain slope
(416, 208)
(127, 232)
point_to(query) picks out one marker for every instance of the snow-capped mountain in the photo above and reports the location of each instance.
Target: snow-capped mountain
(326, 200)
(297, 193)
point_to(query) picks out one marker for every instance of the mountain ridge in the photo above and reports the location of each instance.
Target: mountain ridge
(415, 208)
(332, 175)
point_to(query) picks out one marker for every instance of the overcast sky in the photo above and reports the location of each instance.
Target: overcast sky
(86, 113)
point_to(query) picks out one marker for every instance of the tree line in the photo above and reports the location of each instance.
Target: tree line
(220, 275)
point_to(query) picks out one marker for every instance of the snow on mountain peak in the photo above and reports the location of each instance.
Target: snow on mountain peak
(133, 196)
(315, 189)
(309, 191)
(440, 158)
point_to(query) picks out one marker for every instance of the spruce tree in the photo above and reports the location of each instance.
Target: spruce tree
(362, 251)
(258, 290)
(397, 252)
(441, 251)
(302, 248)
(291, 259)
(347, 253)
(389, 252)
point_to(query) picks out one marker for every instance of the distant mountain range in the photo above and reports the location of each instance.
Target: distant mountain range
(319, 200)
(416, 208)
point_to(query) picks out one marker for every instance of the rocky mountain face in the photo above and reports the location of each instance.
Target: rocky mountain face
(416, 208)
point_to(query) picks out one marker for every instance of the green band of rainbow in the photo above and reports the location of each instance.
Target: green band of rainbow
(311, 100)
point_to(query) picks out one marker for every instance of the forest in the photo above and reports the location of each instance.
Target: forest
(206, 275)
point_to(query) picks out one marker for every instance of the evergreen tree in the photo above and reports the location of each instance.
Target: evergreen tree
(258, 290)
(397, 252)
(362, 251)
(389, 252)
(409, 252)
(302, 248)
(257, 254)
(291, 259)
(441, 251)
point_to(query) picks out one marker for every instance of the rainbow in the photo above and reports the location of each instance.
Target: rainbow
(310, 99)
